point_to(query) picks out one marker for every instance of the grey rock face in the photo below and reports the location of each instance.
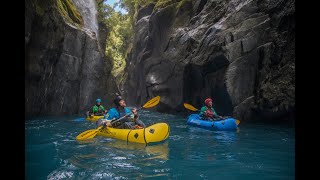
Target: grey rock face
(88, 10)
(65, 69)
(145, 11)
(239, 52)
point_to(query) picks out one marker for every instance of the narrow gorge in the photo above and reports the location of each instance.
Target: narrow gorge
(239, 52)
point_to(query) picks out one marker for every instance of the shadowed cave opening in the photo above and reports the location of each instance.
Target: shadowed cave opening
(208, 80)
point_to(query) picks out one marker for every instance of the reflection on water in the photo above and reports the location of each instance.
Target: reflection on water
(219, 136)
(225, 136)
(111, 153)
(157, 151)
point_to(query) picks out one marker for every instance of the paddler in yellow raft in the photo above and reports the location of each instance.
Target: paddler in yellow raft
(131, 122)
(97, 109)
(129, 128)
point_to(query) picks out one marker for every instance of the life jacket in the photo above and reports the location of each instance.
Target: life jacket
(209, 112)
(120, 114)
(99, 109)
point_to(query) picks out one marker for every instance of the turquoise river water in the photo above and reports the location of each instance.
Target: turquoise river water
(254, 151)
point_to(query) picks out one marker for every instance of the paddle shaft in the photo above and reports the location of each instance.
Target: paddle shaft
(125, 116)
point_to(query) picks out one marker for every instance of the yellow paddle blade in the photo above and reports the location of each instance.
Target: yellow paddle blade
(190, 107)
(237, 122)
(152, 102)
(89, 134)
(85, 135)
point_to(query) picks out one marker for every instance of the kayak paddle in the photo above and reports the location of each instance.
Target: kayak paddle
(190, 107)
(88, 134)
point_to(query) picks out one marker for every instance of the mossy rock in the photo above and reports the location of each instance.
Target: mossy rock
(69, 12)
(183, 13)
(182, 10)
(182, 3)
(164, 3)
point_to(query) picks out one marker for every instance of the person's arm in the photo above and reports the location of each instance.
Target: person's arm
(111, 115)
(216, 114)
(202, 111)
(104, 110)
(138, 123)
(131, 116)
(135, 113)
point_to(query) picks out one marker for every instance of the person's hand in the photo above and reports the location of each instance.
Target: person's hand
(134, 111)
(108, 123)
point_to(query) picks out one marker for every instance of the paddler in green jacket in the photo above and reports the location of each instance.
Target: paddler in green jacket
(98, 109)
(207, 112)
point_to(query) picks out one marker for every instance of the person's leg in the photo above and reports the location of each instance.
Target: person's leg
(100, 122)
(140, 123)
(118, 125)
(128, 125)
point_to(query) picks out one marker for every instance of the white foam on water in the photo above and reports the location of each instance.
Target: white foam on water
(125, 165)
(59, 175)
(119, 158)
(182, 126)
(175, 137)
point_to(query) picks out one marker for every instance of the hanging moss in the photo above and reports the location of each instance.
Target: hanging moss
(163, 3)
(69, 12)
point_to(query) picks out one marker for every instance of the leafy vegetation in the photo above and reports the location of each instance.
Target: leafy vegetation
(120, 28)
(120, 31)
(69, 12)
(119, 38)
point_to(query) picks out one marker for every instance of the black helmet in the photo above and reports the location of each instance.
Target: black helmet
(117, 100)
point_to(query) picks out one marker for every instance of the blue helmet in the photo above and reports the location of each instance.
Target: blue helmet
(98, 100)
